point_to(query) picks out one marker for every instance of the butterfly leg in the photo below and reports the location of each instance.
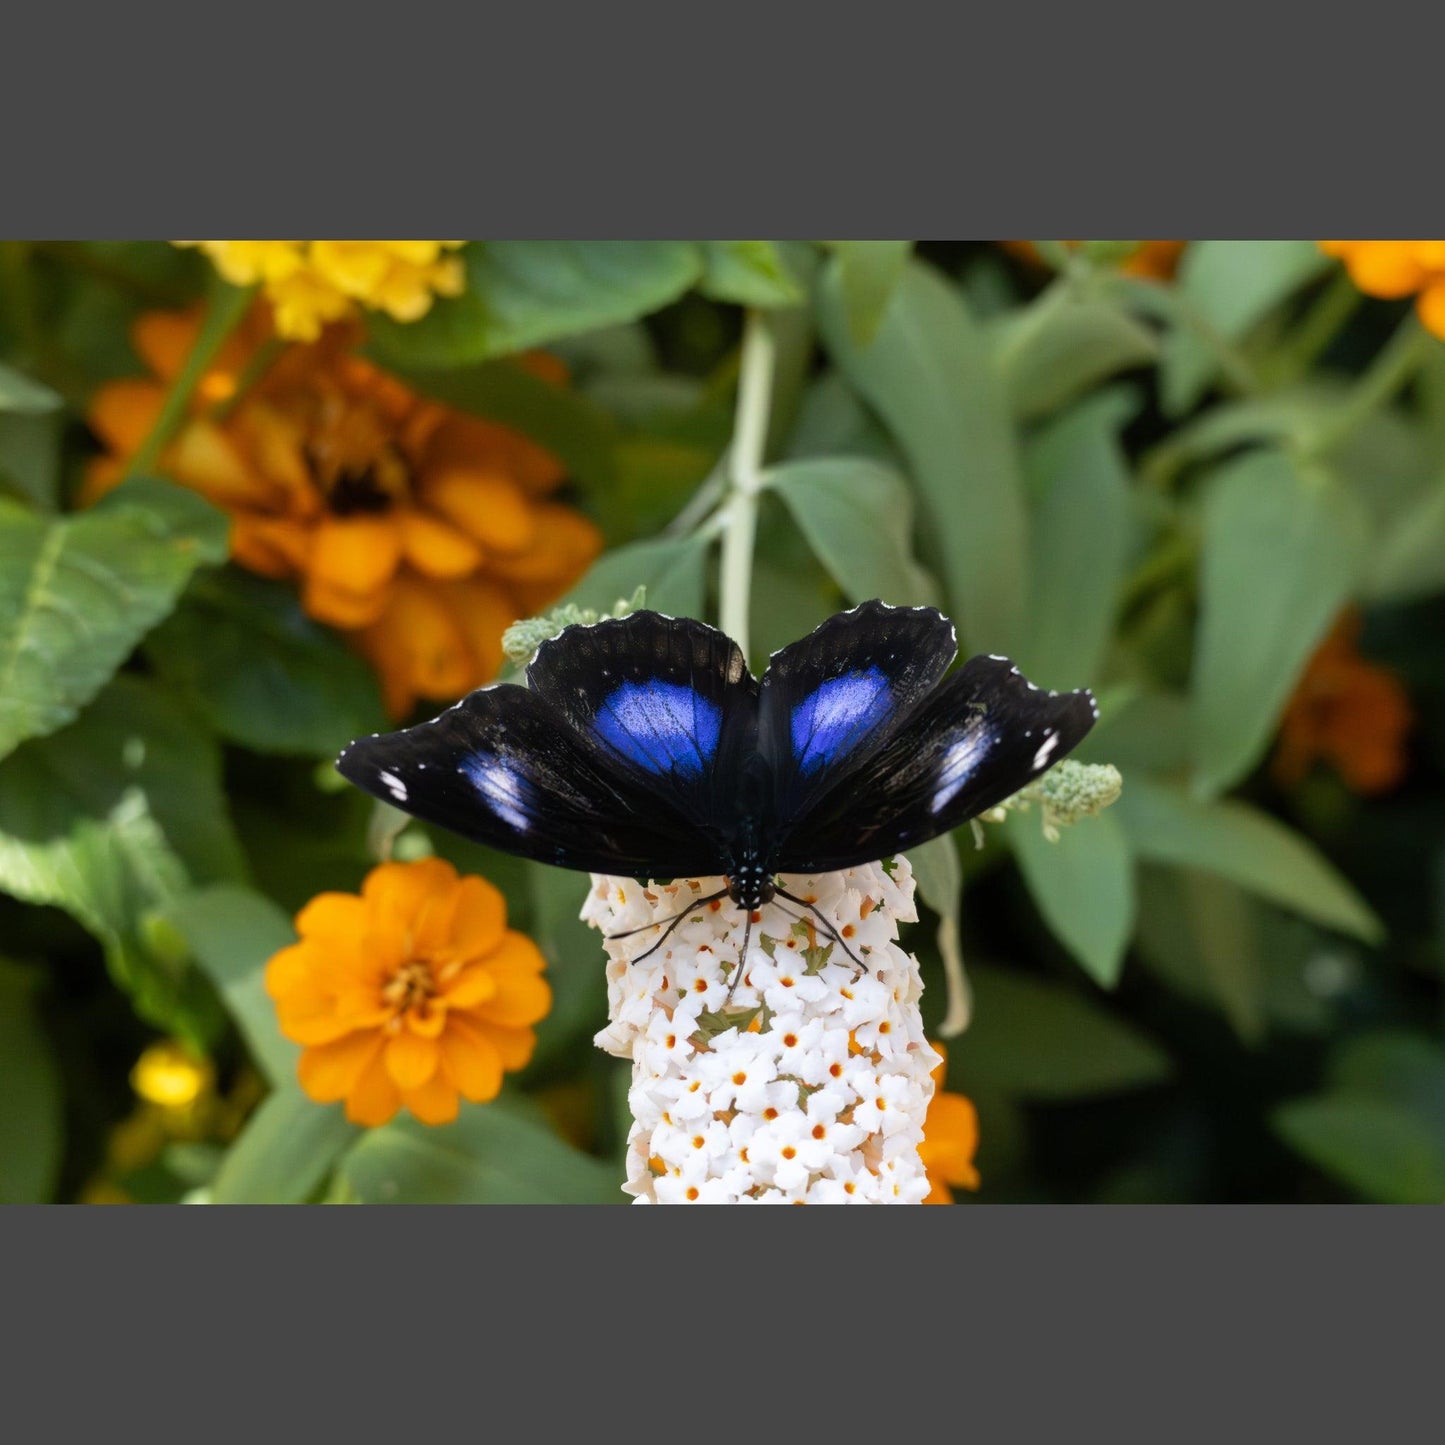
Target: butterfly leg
(671, 924)
(828, 930)
(742, 967)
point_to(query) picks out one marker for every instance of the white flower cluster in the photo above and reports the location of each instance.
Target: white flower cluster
(810, 1085)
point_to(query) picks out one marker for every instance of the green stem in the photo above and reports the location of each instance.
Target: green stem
(1320, 325)
(750, 433)
(1402, 357)
(1167, 303)
(228, 305)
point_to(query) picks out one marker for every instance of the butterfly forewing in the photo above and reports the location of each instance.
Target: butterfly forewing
(834, 699)
(666, 702)
(985, 733)
(504, 769)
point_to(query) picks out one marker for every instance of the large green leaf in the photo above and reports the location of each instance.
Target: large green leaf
(232, 933)
(858, 518)
(31, 1125)
(1080, 540)
(939, 876)
(1063, 343)
(1083, 885)
(1238, 842)
(752, 273)
(263, 673)
(77, 593)
(29, 436)
(868, 274)
(1379, 1148)
(1281, 554)
(285, 1151)
(929, 372)
(1230, 286)
(1042, 1041)
(1408, 562)
(493, 1154)
(113, 818)
(525, 293)
(674, 571)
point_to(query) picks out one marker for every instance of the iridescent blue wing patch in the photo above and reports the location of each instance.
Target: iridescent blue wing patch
(828, 702)
(986, 732)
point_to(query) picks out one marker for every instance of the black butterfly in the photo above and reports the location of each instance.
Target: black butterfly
(643, 746)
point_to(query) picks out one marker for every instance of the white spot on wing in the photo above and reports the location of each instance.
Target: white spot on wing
(1041, 758)
(394, 786)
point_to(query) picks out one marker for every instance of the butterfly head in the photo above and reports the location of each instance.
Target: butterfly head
(750, 885)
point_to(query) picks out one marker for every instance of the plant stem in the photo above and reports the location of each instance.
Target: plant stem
(750, 433)
(1401, 358)
(1320, 325)
(227, 306)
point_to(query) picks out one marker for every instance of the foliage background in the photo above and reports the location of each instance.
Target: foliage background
(1227, 987)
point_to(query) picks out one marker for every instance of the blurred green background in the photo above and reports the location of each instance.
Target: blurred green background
(1206, 479)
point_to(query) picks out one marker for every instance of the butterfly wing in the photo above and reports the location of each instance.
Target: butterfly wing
(835, 699)
(504, 769)
(667, 703)
(985, 733)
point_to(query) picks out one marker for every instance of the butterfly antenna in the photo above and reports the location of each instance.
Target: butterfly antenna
(828, 930)
(671, 924)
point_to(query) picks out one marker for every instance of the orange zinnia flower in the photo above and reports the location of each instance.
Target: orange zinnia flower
(416, 993)
(423, 532)
(1392, 269)
(950, 1140)
(1348, 712)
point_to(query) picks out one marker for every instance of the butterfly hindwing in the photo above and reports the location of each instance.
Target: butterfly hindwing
(984, 733)
(667, 702)
(836, 697)
(504, 769)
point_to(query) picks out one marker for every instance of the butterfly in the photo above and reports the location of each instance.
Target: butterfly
(643, 746)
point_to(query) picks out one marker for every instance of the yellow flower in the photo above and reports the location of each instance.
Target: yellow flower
(311, 283)
(422, 532)
(1346, 711)
(950, 1139)
(169, 1075)
(1392, 269)
(414, 994)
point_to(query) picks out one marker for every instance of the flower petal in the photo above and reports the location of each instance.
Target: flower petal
(487, 505)
(471, 1060)
(374, 1098)
(408, 887)
(436, 548)
(472, 986)
(480, 920)
(336, 920)
(418, 645)
(411, 1059)
(434, 1102)
(204, 457)
(513, 1046)
(332, 1071)
(122, 413)
(356, 554)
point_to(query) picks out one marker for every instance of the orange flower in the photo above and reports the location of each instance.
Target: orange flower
(1348, 712)
(416, 993)
(422, 531)
(1398, 268)
(1156, 259)
(950, 1139)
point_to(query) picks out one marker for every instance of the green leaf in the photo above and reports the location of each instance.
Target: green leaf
(858, 518)
(939, 876)
(30, 416)
(285, 1151)
(232, 934)
(1046, 1042)
(1238, 842)
(262, 673)
(579, 432)
(1378, 1148)
(1064, 343)
(1080, 535)
(752, 273)
(113, 818)
(674, 571)
(1142, 730)
(1408, 561)
(521, 294)
(1280, 555)
(1083, 885)
(576, 963)
(491, 1155)
(1231, 286)
(77, 593)
(31, 1123)
(929, 372)
(868, 274)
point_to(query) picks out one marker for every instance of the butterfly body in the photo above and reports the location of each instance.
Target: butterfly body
(643, 746)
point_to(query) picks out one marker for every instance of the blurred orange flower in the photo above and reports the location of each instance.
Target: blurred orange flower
(1398, 268)
(1348, 712)
(415, 994)
(311, 283)
(1156, 259)
(950, 1140)
(422, 531)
